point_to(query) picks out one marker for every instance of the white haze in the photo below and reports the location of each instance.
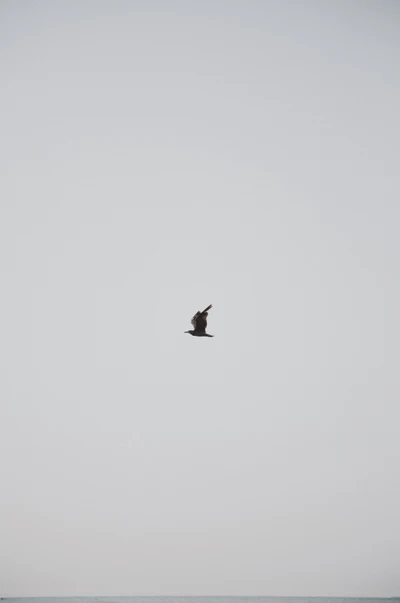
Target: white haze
(158, 156)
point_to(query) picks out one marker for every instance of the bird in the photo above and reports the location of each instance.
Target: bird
(199, 322)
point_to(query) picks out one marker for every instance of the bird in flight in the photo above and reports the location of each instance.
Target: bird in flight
(199, 322)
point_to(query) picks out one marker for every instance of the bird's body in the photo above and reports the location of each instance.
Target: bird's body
(199, 322)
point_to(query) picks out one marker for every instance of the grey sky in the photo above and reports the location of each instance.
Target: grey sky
(157, 157)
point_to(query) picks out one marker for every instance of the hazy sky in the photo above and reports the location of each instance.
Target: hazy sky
(159, 156)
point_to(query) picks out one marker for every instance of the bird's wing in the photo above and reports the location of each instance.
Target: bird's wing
(199, 320)
(195, 320)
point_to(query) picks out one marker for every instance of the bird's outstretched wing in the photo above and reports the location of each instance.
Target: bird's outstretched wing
(199, 320)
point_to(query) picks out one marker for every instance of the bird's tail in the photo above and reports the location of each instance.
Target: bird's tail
(206, 310)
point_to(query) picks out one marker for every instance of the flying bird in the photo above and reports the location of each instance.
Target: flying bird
(199, 322)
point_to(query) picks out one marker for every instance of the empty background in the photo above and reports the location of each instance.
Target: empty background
(157, 157)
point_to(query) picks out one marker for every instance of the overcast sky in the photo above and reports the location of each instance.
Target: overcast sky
(159, 156)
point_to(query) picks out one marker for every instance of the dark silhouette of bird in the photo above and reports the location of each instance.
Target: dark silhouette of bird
(199, 322)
